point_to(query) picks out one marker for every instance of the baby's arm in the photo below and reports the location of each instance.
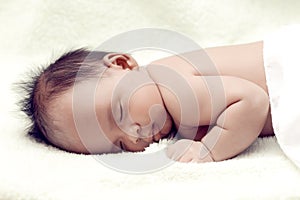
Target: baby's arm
(240, 123)
(235, 128)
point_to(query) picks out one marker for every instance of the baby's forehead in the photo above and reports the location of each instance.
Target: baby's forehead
(70, 119)
(61, 115)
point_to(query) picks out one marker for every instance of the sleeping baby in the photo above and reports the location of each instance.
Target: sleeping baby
(96, 102)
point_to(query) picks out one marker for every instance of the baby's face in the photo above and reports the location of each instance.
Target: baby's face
(128, 107)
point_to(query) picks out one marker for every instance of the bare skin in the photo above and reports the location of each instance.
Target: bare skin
(247, 106)
(247, 65)
(235, 124)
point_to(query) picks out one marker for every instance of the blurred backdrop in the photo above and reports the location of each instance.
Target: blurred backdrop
(35, 32)
(41, 27)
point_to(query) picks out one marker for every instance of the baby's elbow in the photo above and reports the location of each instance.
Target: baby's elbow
(258, 107)
(260, 102)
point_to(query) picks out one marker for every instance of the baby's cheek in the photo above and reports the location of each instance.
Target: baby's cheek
(140, 104)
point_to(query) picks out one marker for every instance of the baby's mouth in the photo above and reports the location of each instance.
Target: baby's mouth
(150, 137)
(153, 134)
(156, 134)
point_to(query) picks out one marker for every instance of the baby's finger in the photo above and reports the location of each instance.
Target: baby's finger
(172, 153)
(185, 158)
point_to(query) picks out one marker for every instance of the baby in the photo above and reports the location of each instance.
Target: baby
(136, 106)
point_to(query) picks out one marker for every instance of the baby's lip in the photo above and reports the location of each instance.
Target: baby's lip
(154, 132)
(153, 139)
(150, 137)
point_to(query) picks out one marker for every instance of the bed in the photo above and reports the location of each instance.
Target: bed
(34, 33)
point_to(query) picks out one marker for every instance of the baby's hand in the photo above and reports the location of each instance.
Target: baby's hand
(189, 151)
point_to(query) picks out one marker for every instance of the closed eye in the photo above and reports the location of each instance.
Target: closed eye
(121, 112)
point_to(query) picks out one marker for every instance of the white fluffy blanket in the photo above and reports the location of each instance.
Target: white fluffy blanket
(35, 32)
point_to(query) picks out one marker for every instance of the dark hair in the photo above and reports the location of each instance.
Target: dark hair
(47, 83)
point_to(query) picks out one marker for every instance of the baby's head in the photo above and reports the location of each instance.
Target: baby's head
(123, 104)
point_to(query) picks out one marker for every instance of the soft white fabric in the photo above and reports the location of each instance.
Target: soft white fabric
(35, 32)
(282, 64)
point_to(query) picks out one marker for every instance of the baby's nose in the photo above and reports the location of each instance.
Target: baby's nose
(145, 131)
(135, 130)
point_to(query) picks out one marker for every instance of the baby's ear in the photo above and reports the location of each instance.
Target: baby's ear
(120, 60)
